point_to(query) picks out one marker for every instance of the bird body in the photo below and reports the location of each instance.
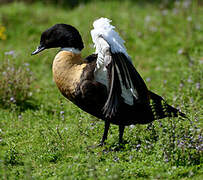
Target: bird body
(104, 84)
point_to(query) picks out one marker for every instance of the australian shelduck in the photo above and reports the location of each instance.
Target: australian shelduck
(104, 84)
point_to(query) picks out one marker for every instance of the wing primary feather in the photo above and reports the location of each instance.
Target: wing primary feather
(138, 83)
(121, 69)
(130, 77)
(123, 66)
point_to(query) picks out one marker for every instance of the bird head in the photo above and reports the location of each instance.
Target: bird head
(60, 35)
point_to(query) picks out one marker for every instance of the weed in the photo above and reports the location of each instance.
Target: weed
(181, 142)
(12, 157)
(15, 83)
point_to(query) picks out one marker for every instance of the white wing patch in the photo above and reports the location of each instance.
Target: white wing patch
(102, 27)
(106, 40)
(100, 71)
(102, 49)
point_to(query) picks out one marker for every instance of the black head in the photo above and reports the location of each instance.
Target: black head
(60, 35)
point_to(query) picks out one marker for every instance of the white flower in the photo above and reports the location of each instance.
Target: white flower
(12, 99)
(147, 18)
(165, 12)
(148, 79)
(189, 18)
(132, 126)
(180, 51)
(10, 52)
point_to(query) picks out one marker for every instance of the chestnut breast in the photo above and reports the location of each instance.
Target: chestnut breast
(67, 70)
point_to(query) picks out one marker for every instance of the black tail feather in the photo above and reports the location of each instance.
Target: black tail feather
(161, 109)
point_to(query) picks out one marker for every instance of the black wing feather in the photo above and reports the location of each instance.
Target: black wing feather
(132, 78)
(129, 77)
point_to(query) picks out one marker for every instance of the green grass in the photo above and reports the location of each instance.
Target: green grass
(52, 139)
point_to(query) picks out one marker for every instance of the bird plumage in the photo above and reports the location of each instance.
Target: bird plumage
(124, 83)
(104, 84)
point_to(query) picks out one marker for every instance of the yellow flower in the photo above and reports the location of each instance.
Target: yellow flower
(2, 32)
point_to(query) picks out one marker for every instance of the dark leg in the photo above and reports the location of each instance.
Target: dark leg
(106, 129)
(121, 130)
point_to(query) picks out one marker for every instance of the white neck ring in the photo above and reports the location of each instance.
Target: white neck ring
(73, 50)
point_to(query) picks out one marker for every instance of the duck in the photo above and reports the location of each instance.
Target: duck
(104, 84)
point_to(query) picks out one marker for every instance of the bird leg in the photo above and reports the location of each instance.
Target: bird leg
(121, 131)
(106, 129)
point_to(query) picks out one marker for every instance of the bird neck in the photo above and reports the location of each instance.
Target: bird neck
(68, 57)
(67, 70)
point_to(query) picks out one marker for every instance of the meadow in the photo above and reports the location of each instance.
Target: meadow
(44, 136)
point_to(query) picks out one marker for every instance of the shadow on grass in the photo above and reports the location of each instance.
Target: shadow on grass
(22, 106)
(28, 105)
(116, 147)
(113, 147)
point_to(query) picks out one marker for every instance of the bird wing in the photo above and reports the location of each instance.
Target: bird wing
(115, 69)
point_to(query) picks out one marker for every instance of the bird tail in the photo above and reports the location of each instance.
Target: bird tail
(161, 109)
